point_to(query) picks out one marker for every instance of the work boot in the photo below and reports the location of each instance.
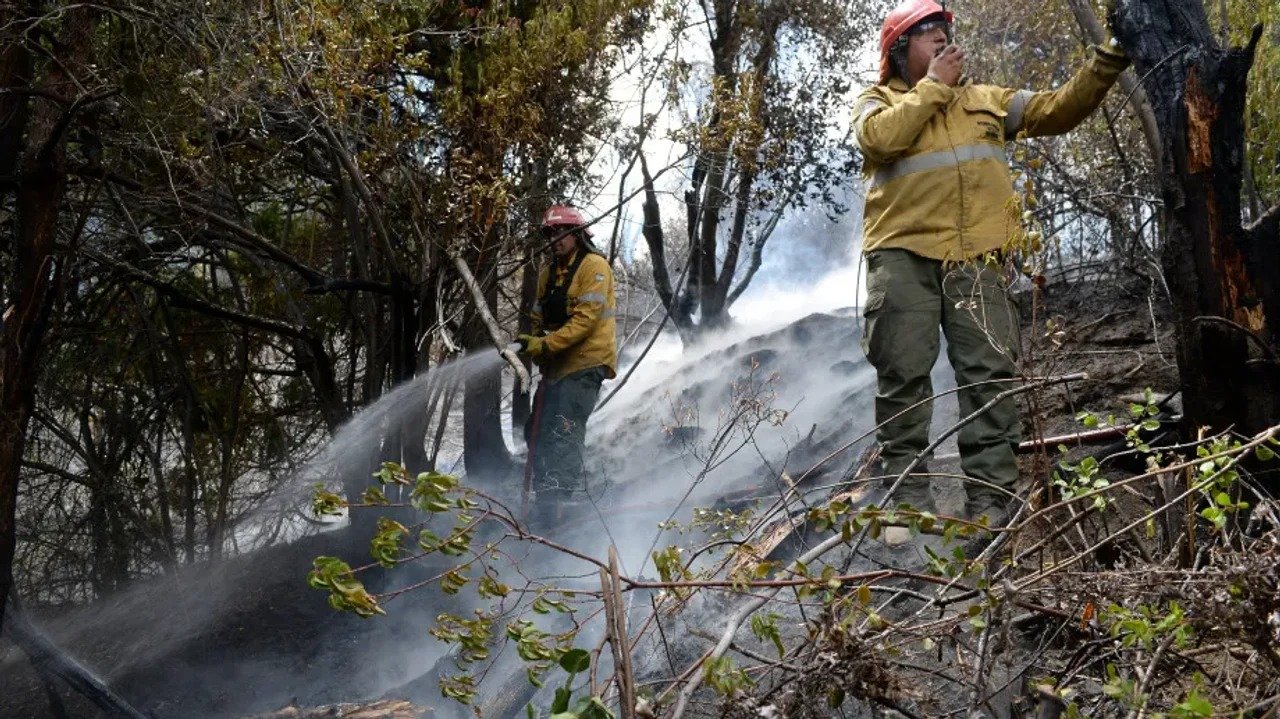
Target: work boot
(914, 494)
(989, 509)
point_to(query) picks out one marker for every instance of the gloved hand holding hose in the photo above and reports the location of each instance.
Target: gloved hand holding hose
(530, 345)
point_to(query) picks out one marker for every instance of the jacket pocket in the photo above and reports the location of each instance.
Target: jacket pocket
(875, 281)
(875, 301)
(986, 120)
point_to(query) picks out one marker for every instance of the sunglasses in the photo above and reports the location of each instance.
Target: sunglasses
(556, 231)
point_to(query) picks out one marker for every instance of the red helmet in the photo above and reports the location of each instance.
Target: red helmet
(564, 216)
(898, 21)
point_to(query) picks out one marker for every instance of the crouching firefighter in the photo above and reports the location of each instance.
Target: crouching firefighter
(574, 344)
(940, 215)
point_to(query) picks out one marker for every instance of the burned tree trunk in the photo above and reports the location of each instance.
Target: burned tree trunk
(1222, 274)
(33, 176)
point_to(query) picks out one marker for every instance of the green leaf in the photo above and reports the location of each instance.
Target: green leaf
(575, 661)
(560, 704)
(1264, 453)
(325, 503)
(765, 627)
(346, 593)
(595, 709)
(874, 530)
(581, 706)
(385, 545)
(1194, 705)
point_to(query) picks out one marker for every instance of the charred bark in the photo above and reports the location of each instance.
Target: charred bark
(33, 160)
(1222, 275)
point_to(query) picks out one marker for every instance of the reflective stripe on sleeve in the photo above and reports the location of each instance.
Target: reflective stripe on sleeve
(1017, 106)
(866, 108)
(591, 297)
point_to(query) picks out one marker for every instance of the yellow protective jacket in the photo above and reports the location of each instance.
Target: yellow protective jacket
(589, 337)
(937, 178)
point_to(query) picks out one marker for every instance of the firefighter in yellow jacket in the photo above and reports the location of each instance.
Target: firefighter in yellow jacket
(575, 345)
(940, 211)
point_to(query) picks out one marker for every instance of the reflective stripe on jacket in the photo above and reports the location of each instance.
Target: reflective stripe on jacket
(589, 337)
(937, 178)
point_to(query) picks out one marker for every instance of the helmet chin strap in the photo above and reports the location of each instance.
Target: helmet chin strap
(898, 58)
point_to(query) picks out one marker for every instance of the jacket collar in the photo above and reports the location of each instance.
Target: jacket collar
(564, 263)
(897, 84)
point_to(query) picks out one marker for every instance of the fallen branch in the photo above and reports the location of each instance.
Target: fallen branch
(491, 324)
(1089, 437)
(616, 630)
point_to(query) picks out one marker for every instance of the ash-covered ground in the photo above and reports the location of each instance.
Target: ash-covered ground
(730, 425)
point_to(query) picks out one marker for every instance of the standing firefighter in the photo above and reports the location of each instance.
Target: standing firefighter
(575, 346)
(940, 213)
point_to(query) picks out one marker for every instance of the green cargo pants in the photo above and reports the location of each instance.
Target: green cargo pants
(557, 430)
(908, 298)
